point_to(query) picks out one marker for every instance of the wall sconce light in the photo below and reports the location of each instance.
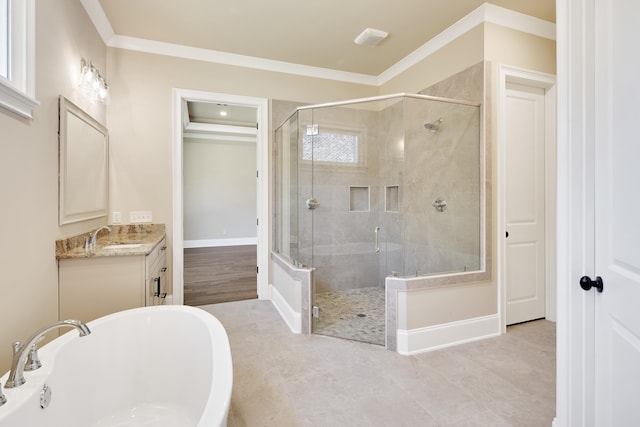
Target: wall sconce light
(92, 83)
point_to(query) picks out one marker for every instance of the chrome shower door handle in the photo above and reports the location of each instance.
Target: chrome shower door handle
(376, 233)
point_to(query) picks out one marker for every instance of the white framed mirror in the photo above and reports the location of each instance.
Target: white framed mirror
(83, 176)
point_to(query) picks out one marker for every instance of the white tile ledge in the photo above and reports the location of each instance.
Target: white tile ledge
(436, 280)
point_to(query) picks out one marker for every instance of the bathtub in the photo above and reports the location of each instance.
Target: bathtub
(150, 366)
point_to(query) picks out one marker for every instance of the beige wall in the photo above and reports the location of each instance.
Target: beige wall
(219, 181)
(510, 47)
(458, 55)
(29, 174)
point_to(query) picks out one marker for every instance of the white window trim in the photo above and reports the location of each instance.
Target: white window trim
(18, 94)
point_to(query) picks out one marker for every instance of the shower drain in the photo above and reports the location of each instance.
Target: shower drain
(361, 315)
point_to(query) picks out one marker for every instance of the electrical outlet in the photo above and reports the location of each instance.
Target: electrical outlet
(140, 216)
(116, 218)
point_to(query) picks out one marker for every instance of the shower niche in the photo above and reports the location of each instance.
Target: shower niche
(359, 199)
(375, 167)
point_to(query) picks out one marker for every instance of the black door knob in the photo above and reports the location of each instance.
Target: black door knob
(586, 283)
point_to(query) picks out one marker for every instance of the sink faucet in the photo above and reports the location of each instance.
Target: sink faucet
(21, 351)
(94, 235)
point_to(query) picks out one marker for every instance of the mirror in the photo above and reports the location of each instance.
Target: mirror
(84, 165)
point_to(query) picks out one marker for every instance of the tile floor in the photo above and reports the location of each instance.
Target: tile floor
(355, 314)
(283, 379)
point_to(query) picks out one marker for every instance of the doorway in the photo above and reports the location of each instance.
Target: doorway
(218, 234)
(526, 195)
(219, 203)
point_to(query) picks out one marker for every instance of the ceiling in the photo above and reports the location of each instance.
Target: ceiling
(316, 33)
(289, 33)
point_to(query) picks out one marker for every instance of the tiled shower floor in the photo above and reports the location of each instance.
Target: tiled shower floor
(356, 314)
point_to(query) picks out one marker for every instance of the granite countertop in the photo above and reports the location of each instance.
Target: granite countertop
(143, 237)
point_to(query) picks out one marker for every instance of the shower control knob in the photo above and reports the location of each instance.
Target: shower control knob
(586, 283)
(440, 204)
(312, 203)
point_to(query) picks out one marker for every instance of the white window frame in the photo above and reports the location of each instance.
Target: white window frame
(17, 93)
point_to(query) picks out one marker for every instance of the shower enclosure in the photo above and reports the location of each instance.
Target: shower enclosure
(373, 188)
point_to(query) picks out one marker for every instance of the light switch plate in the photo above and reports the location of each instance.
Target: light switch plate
(140, 216)
(116, 218)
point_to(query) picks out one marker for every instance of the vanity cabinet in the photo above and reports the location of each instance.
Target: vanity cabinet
(96, 286)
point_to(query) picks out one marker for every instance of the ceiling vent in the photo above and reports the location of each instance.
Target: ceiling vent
(370, 37)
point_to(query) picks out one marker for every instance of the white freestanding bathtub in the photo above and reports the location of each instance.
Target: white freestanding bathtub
(151, 366)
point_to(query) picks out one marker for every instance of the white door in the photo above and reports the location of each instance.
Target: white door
(617, 214)
(524, 203)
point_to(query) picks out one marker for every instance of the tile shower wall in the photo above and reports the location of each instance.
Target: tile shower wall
(430, 165)
(444, 164)
(456, 162)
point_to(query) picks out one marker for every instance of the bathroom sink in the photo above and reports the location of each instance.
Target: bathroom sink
(122, 246)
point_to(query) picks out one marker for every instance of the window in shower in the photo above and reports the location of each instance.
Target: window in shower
(331, 147)
(359, 199)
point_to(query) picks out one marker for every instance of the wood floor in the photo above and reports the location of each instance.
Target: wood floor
(219, 274)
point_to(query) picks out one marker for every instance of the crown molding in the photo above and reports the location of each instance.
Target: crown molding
(99, 19)
(485, 13)
(207, 55)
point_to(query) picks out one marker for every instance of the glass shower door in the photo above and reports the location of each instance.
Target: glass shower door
(349, 242)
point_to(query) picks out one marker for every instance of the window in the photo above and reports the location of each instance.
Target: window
(332, 147)
(4, 38)
(17, 56)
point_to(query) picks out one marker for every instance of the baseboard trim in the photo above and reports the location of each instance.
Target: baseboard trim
(291, 317)
(431, 338)
(211, 243)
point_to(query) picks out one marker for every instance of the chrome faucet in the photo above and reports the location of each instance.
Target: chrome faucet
(94, 235)
(21, 351)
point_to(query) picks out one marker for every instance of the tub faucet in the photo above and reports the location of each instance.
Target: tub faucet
(94, 235)
(21, 351)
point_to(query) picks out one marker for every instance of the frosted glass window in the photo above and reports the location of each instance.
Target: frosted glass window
(4, 38)
(331, 147)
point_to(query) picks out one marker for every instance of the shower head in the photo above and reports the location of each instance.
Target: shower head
(433, 126)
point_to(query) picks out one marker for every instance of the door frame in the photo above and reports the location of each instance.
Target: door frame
(508, 74)
(577, 68)
(262, 186)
